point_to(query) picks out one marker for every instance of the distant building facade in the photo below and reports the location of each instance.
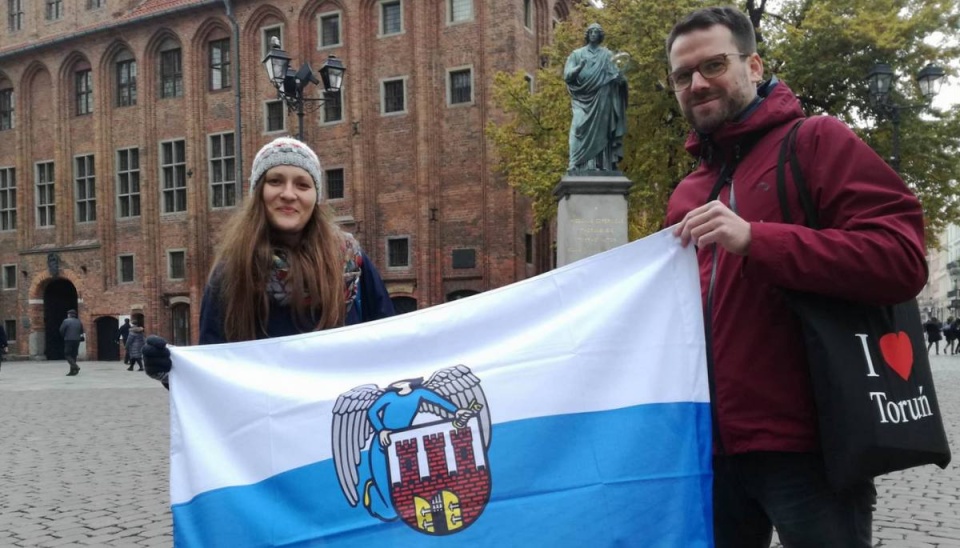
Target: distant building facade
(119, 123)
(940, 297)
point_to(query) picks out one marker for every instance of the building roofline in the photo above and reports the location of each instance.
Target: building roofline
(113, 24)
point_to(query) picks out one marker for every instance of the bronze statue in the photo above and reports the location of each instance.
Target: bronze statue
(599, 95)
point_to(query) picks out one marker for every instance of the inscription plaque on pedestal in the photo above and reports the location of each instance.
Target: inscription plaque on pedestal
(591, 215)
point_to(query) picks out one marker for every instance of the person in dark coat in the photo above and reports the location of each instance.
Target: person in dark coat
(950, 335)
(934, 328)
(3, 343)
(72, 332)
(955, 329)
(134, 347)
(122, 335)
(284, 267)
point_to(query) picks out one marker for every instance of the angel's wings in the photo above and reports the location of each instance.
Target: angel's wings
(351, 432)
(459, 385)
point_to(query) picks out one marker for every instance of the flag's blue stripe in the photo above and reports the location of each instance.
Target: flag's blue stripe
(638, 476)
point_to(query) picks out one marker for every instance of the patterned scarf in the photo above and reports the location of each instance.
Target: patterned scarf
(280, 292)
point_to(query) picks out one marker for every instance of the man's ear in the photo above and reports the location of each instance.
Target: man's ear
(755, 66)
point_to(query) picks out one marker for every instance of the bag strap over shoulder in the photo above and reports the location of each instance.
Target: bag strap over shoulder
(730, 166)
(788, 150)
(722, 180)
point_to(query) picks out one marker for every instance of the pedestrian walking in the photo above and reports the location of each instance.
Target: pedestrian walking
(284, 267)
(949, 335)
(934, 330)
(122, 335)
(3, 343)
(134, 347)
(955, 329)
(72, 332)
(768, 469)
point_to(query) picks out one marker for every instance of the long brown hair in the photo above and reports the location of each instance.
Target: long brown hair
(245, 260)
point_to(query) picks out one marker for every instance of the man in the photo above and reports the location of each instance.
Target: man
(599, 95)
(122, 335)
(72, 332)
(768, 470)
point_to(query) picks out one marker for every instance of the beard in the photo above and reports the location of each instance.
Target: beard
(713, 107)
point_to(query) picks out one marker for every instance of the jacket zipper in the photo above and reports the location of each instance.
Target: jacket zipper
(708, 331)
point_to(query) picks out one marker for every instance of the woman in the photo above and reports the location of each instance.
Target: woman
(134, 348)
(299, 270)
(283, 266)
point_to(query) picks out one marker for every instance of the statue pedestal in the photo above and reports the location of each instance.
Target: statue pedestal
(591, 215)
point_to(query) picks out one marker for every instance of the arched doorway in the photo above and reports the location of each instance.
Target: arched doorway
(59, 296)
(180, 314)
(402, 305)
(137, 318)
(107, 347)
(463, 293)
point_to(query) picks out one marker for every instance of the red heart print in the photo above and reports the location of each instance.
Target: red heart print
(898, 352)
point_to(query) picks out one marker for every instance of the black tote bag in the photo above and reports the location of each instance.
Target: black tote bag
(876, 403)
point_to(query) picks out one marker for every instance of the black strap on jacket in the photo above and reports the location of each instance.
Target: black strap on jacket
(725, 178)
(788, 151)
(730, 166)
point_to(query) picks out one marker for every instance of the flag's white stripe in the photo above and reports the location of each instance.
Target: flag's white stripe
(565, 342)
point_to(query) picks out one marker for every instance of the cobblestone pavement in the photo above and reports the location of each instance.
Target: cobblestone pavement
(84, 462)
(920, 507)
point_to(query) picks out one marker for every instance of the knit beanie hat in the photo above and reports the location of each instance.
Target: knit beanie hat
(286, 151)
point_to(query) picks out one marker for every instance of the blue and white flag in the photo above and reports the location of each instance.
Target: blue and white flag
(570, 409)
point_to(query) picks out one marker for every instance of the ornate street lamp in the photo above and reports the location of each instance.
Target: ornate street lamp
(276, 62)
(290, 83)
(880, 81)
(331, 72)
(930, 79)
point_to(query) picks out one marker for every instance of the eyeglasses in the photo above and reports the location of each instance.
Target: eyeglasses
(709, 68)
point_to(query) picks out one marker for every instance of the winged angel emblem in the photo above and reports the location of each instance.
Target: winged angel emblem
(365, 418)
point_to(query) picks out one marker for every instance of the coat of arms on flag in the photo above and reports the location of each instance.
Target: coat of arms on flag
(435, 474)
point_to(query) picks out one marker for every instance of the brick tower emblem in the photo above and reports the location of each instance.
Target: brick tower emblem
(416, 450)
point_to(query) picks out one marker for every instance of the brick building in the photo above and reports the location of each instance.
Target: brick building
(120, 122)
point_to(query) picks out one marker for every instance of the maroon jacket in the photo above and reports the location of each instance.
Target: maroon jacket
(871, 249)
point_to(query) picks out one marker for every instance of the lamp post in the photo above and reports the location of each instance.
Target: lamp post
(290, 83)
(880, 79)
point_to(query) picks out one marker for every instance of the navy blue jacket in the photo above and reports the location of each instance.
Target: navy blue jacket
(372, 303)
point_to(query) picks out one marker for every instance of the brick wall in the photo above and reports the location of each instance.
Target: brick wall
(469, 484)
(407, 457)
(428, 173)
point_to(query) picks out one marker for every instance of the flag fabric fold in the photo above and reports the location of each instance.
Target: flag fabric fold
(567, 409)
